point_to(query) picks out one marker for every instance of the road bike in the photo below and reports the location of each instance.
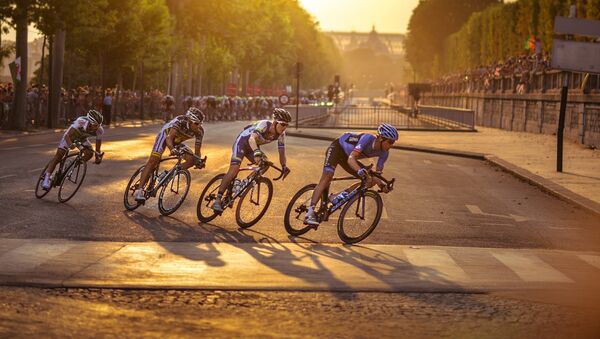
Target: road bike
(68, 176)
(172, 186)
(360, 214)
(254, 192)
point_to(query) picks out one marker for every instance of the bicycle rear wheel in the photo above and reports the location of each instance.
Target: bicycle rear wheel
(359, 217)
(204, 209)
(39, 191)
(173, 192)
(255, 201)
(295, 212)
(133, 184)
(72, 179)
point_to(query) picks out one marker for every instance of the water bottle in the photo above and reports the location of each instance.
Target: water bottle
(237, 186)
(162, 176)
(339, 198)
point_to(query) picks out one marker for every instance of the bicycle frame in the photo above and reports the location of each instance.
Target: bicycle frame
(153, 188)
(62, 171)
(257, 172)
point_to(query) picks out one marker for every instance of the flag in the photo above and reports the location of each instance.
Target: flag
(530, 43)
(15, 70)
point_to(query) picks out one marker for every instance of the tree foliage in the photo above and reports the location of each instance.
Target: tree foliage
(431, 23)
(108, 40)
(501, 31)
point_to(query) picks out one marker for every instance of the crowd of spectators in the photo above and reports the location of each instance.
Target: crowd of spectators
(519, 69)
(125, 105)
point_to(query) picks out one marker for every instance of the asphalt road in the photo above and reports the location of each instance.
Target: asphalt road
(438, 200)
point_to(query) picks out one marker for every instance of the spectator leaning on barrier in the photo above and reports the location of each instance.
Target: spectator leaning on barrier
(107, 107)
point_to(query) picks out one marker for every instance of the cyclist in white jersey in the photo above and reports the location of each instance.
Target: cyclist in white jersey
(247, 146)
(81, 129)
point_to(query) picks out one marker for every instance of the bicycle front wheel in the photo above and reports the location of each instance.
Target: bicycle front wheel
(296, 210)
(254, 202)
(359, 217)
(72, 180)
(173, 192)
(39, 191)
(204, 209)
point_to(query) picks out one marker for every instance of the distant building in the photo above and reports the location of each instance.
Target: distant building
(382, 43)
(34, 54)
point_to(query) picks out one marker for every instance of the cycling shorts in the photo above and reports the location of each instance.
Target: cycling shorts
(159, 144)
(334, 156)
(241, 148)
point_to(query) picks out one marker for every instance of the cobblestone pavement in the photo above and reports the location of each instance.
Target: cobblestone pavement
(25, 312)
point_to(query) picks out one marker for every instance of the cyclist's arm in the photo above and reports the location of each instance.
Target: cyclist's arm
(353, 162)
(98, 145)
(252, 141)
(281, 148)
(170, 141)
(198, 144)
(381, 161)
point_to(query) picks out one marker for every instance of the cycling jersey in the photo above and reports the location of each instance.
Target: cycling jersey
(241, 147)
(80, 130)
(181, 124)
(339, 151)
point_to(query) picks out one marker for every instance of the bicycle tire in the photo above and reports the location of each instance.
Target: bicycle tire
(210, 214)
(249, 190)
(39, 191)
(343, 233)
(169, 211)
(291, 207)
(130, 192)
(73, 166)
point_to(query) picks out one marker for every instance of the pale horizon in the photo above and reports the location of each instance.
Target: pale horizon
(388, 16)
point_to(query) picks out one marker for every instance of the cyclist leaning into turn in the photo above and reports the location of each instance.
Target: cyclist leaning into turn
(247, 145)
(81, 129)
(345, 151)
(176, 131)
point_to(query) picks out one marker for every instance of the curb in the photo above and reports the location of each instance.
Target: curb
(545, 185)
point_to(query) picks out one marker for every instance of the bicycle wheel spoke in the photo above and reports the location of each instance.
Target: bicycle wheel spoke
(254, 202)
(363, 218)
(173, 192)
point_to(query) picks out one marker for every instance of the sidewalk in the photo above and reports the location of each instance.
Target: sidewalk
(293, 266)
(529, 156)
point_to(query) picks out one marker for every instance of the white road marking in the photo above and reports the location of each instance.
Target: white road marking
(424, 221)
(531, 268)
(8, 176)
(435, 265)
(30, 255)
(453, 165)
(563, 228)
(428, 162)
(474, 209)
(36, 145)
(496, 224)
(11, 148)
(36, 170)
(593, 260)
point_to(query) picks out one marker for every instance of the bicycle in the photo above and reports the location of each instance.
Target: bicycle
(71, 170)
(175, 181)
(361, 200)
(250, 191)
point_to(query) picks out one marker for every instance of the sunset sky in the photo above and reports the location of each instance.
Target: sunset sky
(390, 16)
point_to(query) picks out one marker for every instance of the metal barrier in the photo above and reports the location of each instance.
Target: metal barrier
(369, 117)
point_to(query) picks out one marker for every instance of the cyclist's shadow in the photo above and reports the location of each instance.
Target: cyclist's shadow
(169, 233)
(277, 256)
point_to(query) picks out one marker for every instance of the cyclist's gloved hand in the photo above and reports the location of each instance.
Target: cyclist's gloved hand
(258, 156)
(175, 151)
(362, 172)
(199, 164)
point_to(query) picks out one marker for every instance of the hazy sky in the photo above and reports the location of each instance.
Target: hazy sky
(390, 16)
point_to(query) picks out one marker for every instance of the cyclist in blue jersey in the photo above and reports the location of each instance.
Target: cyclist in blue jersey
(345, 151)
(176, 131)
(81, 129)
(247, 145)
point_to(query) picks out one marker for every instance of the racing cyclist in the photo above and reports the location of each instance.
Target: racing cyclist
(345, 151)
(80, 130)
(248, 142)
(176, 131)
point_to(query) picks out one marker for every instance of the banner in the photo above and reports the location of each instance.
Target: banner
(15, 70)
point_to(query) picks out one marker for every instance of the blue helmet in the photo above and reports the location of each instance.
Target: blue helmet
(387, 131)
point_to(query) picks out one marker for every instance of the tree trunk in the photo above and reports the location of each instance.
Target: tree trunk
(20, 100)
(57, 76)
(50, 68)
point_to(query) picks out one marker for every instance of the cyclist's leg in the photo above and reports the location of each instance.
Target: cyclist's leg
(189, 161)
(154, 159)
